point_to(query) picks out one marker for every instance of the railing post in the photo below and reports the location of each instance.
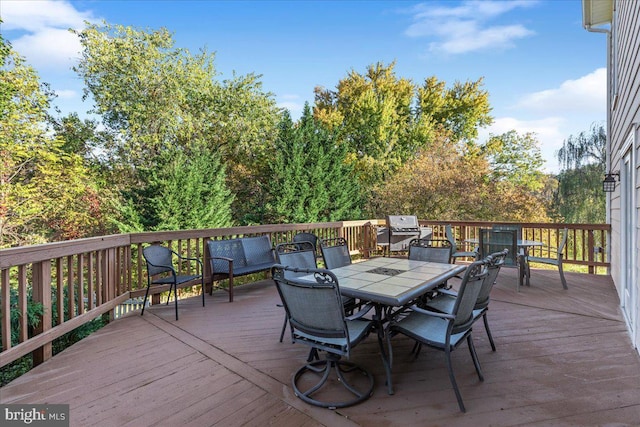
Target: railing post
(41, 276)
(5, 309)
(366, 229)
(591, 249)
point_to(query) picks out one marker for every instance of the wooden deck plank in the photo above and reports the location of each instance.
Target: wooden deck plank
(563, 358)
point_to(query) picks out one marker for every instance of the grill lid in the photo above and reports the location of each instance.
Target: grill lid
(403, 223)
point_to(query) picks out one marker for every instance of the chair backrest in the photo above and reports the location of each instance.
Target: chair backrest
(307, 237)
(159, 259)
(299, 255)
(430, 250)
(492, 241)
(494, 263)
(314, 308)
(335, 252)
(516, 227)
(448, 231)
(467, 296)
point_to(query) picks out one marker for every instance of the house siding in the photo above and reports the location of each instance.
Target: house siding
(625, 121)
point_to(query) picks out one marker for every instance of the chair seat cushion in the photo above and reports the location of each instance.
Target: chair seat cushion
(358, 329)
(248, 269)
(427, 329)
(179, 279)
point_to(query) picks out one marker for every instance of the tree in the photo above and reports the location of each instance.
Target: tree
(45, 192)
(309, 178)
(191, 192)
(373, 116)
(385, 120)
(516, 159)
(579, 197)
(461, 110)
(155, 98)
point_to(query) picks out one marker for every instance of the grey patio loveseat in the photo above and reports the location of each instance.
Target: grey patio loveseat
(239, 257)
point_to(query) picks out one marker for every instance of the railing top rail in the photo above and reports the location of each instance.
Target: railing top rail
(47, 251)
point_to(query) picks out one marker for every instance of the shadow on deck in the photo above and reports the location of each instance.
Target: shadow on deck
(563, 358)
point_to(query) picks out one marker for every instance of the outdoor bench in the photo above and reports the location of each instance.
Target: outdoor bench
(239, 257)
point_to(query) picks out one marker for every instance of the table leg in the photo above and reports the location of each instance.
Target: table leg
(379, 322)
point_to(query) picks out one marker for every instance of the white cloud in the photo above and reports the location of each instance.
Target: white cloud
(49, 49)
(34, 15)
(464, 28)
(44, 39)
(67, 94)
(587, 94)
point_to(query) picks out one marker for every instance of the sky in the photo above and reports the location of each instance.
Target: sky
(544, 72)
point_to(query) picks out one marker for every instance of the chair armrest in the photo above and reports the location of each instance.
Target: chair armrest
(184, 258)
(447, 292)
(363, 310)
(433, 313)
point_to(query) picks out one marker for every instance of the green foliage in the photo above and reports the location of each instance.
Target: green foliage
(579, 197)
(460, 110)
(384, 120)
(155, 98)
(516, 159)
(309, 179)
(191, 192)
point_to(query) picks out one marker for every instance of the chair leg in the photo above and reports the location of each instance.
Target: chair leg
(284, 327)
(175, 297)
(203, 291)
(474, 356)
(452, 378)
(486, 327)
(146, 295)
(564, 281)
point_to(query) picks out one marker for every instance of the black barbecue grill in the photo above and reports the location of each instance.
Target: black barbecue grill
(400, 230)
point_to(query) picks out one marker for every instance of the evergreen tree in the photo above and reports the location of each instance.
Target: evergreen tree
(191, 192)
(310, 180)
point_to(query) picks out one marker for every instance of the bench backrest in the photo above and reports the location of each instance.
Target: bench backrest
(258, 250)
(244, 251)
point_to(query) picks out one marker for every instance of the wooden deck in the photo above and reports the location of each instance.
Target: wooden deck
(564, 358)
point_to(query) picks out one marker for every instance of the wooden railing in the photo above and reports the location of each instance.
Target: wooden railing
(80, 280)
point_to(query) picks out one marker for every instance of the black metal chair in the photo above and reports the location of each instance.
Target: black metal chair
(299, 255)
(445, 299)
(335, 252)
(445, 331)
(159, 261)
(430, 250)
(492, 241)
(316, 316)
(306, 236)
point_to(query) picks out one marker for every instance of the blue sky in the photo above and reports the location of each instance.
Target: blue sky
(544, 72)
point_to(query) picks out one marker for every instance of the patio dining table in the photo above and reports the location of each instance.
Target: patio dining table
(390, 283)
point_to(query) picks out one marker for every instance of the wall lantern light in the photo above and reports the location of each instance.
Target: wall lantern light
(609, 183)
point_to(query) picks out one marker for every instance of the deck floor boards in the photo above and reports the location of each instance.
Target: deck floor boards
(564, 358)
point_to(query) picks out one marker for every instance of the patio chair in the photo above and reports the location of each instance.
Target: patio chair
(299, 255)
(430, 250)
(317, 319)
(553, 256)
(307, 237)
(445, 331)
(516, 227)
(159, 261)
(445, 299)
(492, 241)
(335, 252)
(455, 253)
